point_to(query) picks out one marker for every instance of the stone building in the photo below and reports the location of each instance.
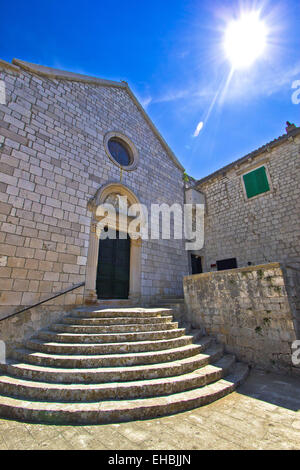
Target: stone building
(252, 207)
(58, 133)
(248, 296)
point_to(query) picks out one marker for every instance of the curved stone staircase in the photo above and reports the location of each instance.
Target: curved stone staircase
(113, 365)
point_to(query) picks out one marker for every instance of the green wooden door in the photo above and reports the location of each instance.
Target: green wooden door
(113, 268)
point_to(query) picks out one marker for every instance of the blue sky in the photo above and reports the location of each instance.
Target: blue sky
(171, 54)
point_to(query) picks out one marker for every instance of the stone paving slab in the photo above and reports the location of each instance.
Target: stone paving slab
(262, 414)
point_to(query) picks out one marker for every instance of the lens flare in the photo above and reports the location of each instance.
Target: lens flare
(245, 40)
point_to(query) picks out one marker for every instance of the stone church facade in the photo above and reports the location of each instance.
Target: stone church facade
(55, 169)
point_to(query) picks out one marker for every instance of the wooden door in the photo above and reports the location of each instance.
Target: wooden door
(113, 268)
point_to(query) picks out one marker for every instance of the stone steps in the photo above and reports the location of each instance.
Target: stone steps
(114, 374)
(115, 364)
(123, 312)
(120, 410)
(91, 321)
(110, 360)
(108, 348)
(35, 390)
(87, 338)
(134, 328)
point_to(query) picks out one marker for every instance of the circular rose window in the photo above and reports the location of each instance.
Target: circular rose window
(121, 150)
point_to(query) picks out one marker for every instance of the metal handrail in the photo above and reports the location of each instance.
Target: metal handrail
(69, 289)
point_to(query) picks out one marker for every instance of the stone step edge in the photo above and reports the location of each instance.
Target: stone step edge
(202, 371)
(54, 333)
(168, 319)
(60, 327)
(33, 344)
(118, 337)
(113, 313)
(121, 410)
(127, 309)
(37, 391)
(159, 355)
(203, 342)
(154, 341)
(212, 354)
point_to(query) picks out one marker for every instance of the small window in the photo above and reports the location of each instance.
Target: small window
(229, 263)
(256, 182)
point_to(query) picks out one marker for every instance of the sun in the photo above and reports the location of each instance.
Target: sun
(245, 40)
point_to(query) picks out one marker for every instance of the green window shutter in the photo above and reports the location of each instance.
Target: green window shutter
(256, 182)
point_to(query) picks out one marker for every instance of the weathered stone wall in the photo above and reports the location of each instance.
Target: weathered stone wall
(52, 161)
(246, 309)
(16, 330)
(292, 283)
(262, 229)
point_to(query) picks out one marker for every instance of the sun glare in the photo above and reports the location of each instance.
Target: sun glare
(245, 40)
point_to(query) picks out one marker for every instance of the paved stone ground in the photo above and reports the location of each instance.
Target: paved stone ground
(262, 414)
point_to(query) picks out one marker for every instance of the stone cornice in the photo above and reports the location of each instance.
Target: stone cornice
(8, 65)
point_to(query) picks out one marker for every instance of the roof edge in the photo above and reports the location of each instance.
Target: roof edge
(8, 65)
(265, 148)
(154, 128)
(64, 74)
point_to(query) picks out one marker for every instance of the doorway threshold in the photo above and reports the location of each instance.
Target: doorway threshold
(115, 302)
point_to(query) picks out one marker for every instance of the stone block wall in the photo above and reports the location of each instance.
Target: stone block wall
(16, 330)
(292, 282)
(246, 309)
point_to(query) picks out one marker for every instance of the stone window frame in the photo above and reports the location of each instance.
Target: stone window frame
(249, 170)
(134, 154)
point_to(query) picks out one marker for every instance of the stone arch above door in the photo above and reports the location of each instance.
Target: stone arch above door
(109, 189)
(109, 193)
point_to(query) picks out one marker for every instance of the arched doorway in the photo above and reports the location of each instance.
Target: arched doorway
(114, 260)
